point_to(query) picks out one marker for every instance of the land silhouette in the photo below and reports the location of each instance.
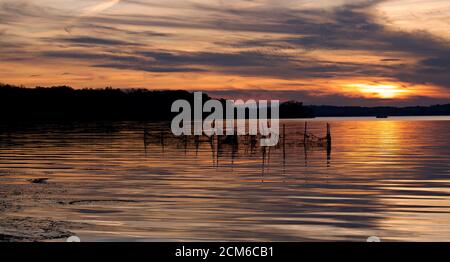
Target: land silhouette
(63, 103)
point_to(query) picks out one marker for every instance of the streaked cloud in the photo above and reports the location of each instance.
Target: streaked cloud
(98, 8)
(315, 47)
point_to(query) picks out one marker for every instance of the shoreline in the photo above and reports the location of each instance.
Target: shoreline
(18, 195)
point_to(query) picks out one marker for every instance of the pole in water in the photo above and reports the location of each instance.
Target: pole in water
(328, 141)
(284, 143)
(161, 137)
(305, 135)
(197, 144)
(145, 141)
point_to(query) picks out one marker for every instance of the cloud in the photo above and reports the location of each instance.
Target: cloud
(240, 59)
(116, 61)
(86, 40)
(93, 10)
(294, 40)
(346, 28)
(349, 27)
(20, 11)
(148, 67)
(442, 63)
(355, 29)
(241, 63)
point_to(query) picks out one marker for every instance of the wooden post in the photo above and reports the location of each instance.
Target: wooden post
(305, 135)
(328, 140)
(145, 141)
(284, 142)
(162, 140)
(197, 144)
(264, 154)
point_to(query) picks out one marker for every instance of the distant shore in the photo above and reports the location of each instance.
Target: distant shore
(63, 103)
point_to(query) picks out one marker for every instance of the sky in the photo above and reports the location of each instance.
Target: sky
(334, 52)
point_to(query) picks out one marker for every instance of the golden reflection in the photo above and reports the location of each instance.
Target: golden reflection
(383, 175)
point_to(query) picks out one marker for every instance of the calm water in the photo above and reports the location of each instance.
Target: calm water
(388, 178)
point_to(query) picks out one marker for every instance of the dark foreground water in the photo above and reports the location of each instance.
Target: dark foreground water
(388, 178)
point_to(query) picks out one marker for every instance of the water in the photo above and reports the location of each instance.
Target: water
(388, 178)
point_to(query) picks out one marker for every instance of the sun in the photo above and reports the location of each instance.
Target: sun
(385, 91)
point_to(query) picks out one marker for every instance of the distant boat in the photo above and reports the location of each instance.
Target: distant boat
(382, 116)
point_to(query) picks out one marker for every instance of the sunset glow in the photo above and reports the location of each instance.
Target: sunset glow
(358, 52)
(381, 91)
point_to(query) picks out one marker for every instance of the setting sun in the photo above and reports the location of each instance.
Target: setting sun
(384, 91)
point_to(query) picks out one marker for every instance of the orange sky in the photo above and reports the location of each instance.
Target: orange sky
(360, 52)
